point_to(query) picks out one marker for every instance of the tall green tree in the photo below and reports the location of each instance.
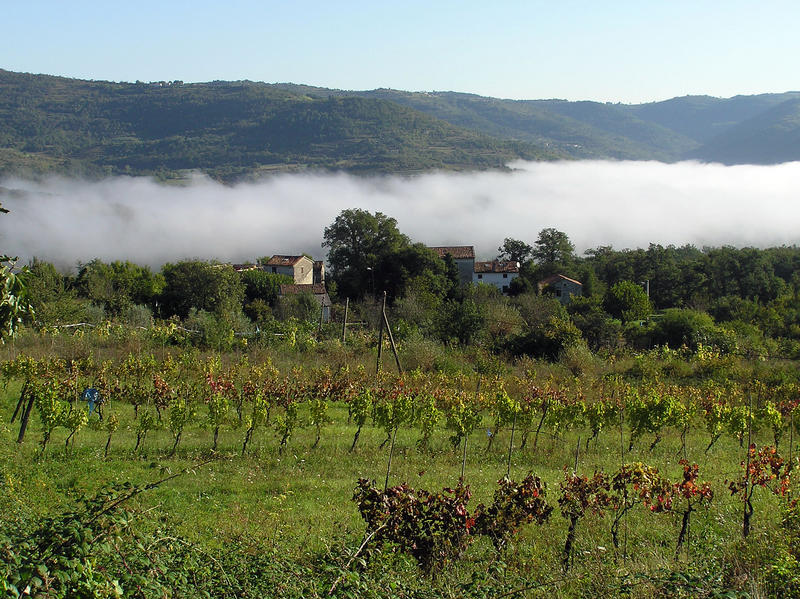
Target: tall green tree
(553, 252)
(359, 243)
(51, 294)
(514, 250)
(263, 285)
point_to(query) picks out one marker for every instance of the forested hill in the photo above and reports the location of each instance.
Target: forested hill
(738, 130)
(767, 138)
(226, 129)
(234, 130)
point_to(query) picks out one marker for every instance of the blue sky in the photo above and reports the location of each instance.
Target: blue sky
(627, 51)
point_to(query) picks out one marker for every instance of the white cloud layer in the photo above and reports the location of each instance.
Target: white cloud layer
(624, 204)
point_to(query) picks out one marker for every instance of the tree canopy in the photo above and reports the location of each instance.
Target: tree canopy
(358, 245)
(514, 250)
(200, 285)
(627, 301)
(553, 249)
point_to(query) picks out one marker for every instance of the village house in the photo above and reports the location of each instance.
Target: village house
(315, 289)
(300, 268)
(562, 288)
(463, 256)
(496, 272)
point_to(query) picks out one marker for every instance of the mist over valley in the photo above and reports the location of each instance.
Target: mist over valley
(623, 204)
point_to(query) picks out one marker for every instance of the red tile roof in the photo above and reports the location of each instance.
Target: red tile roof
(458, 252)
(553, 278)
(497, 266)
(317, 289)
(279, 260)
(244, 267)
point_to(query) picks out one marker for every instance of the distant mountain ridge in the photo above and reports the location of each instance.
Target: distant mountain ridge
(228, 130)
(233, 130)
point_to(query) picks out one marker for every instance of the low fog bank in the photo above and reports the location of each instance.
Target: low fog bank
(623, 204)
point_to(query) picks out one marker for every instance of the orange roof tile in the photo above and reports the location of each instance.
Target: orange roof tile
(458, 252)
(497, 266)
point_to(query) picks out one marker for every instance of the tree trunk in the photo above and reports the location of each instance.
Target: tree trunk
(175, 445)
(573, 521)
(355, 439)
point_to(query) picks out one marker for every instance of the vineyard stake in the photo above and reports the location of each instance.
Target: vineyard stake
(391, 339)
(577, 453)
(380, 337)
(20, 402)
(464, 457)
(746, 517)
(511, 446)
(23, 425)
(791, 437)
(389, 465)
(622, 459)
(466, 435)
(344, 320)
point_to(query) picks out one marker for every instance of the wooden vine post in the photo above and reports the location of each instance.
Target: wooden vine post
(344, 320)
(380, 336)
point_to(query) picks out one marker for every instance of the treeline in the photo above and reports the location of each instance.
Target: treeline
(737, 300)
(185, 290)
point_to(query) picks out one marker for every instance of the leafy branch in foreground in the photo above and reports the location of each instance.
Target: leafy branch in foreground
(77, 553)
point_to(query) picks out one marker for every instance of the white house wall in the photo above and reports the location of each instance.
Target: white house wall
(498, 279)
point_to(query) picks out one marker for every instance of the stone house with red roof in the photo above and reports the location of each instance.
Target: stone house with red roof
(562, 288)
(300, 268)
(317, 290)
(499, 273)
(463, 256)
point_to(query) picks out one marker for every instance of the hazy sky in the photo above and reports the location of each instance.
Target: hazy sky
(619, 50)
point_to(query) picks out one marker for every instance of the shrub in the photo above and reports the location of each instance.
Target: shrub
(681, 326)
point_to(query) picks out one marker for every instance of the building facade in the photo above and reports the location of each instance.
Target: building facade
(463, 256)
(496, 272)
(300, 268)
(561, 287)
(317, 290)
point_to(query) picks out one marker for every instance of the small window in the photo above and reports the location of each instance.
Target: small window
(505, 288)
(480, 276)
(274, 269)
(505, 276)
(558, 293)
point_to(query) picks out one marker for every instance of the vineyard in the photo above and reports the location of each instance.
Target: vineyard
(147, 473)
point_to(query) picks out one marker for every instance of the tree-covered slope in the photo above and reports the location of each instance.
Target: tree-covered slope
(226, 129)
(632, 136)
(577, 129)
(769, 138)
(239, 129)
(701, 118)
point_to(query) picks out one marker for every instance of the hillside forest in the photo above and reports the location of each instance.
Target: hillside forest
(242, 130)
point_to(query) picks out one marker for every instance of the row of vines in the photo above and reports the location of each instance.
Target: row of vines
(179, 391)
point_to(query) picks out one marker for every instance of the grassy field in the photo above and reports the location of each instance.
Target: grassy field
(288, 518)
